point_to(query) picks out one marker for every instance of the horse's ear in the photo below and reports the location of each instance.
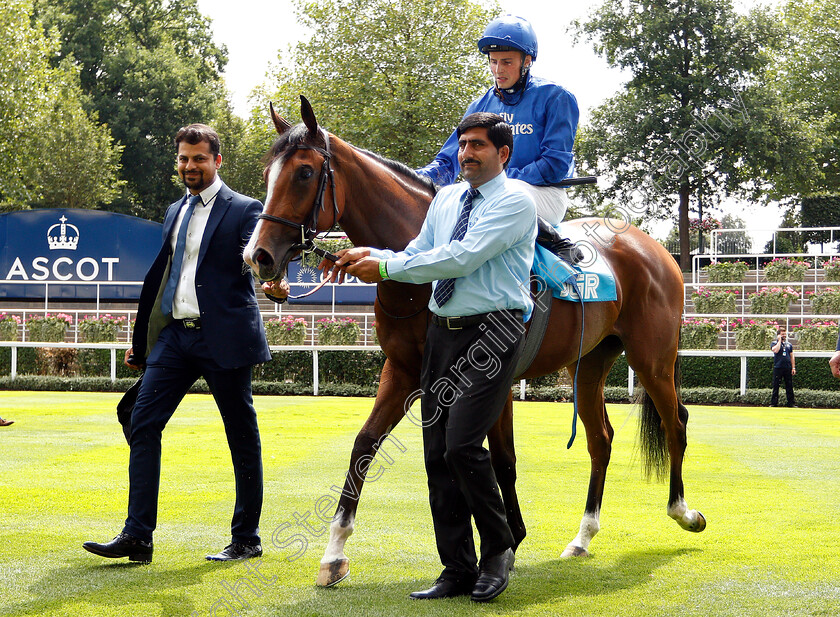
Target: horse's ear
(308, 116)
(280, 124)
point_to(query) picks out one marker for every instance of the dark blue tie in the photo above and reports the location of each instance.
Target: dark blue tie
(178, 258)
(445, 287)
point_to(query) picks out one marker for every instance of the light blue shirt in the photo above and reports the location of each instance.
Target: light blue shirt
(492, 263)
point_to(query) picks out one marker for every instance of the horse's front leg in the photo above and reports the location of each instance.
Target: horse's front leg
(395, 389)
(503, 458)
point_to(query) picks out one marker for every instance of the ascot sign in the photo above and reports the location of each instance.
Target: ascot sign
(69, 249)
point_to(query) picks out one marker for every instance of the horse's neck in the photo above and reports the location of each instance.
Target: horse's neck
(382, 208)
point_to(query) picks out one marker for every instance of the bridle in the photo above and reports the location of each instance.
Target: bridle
(309, 229)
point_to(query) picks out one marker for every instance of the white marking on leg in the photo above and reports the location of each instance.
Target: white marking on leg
(589, 526)
(690, 520)
(338, 538)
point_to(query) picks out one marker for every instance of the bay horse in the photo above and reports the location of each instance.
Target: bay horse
(382, 203)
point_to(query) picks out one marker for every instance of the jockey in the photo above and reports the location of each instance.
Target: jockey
(544, 118)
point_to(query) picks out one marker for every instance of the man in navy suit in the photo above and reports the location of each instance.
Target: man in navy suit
(197, 317)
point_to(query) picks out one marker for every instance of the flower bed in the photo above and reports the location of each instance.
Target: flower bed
(816, 335)
(754, 334)
(831, 269)
(726, 271)
(770, 300)
(102, 329)
(9, 325)
(287, 330)
(699, 333)
(784, 270)
(826, 301)
(341, 331)
(48, 328)
(714, 300)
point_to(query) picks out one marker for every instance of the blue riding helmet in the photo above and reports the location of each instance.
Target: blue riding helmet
(509, 32)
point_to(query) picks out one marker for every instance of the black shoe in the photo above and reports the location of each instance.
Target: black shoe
(124, 545)
(548, 237)
(493, 576)
(237, 551)
(444, 588)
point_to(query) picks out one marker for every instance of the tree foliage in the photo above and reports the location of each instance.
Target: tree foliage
(808, 74)
(392, 76)
(52, 153)
(148, 68)
(696, 120)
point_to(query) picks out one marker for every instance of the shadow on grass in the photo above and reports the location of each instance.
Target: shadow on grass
(115, 587)
(542, 583)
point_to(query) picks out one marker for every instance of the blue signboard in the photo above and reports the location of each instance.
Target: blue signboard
(304, 278)
(68, 253)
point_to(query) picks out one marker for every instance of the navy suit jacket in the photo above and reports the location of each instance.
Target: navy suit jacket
(230, 316)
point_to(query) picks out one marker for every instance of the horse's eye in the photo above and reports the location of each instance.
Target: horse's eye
(305, 173)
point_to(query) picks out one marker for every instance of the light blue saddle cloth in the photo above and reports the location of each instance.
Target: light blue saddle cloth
(595, 281)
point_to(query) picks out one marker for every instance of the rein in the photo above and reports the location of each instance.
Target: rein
(387, 314)
(309, 229)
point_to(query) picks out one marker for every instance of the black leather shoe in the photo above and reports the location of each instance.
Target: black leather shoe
(124, 545)
(493, 576)
(443, 588)
(237, 551)
(548, 237)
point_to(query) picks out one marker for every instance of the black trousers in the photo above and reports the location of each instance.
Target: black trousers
(778, 375)
(466, 379)
(178, 359)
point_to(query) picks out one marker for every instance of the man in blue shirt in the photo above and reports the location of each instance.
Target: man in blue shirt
(544, 117)
(784, 367)
(477, 244)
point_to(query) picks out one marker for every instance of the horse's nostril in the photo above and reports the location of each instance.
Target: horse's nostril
(262, 257)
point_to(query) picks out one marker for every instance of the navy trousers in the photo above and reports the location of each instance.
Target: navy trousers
(466, 379)
(178, 359)
(782, 374)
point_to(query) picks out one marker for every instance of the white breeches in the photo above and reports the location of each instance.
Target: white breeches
(552, 202)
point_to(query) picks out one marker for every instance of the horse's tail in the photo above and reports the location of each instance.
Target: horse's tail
(652, 440)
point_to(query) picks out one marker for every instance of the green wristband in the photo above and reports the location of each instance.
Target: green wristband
(383, 270)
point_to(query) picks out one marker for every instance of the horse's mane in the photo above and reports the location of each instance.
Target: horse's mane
(299, 134)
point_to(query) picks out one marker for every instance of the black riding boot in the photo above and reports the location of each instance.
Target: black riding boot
(548, 237)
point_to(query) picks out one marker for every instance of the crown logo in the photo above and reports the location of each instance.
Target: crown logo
(60, 239)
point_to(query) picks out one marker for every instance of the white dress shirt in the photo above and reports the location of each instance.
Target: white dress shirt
(185, 301)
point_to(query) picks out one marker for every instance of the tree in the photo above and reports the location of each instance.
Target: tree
(52, 153)
(392, 76)
(697, 119)
(807, 72)
(148, 67)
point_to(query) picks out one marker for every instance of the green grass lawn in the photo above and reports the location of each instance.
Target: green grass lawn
(768, 482)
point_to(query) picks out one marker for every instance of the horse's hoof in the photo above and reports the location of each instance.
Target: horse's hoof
(574, 551)
(700, 525)
(333, 573)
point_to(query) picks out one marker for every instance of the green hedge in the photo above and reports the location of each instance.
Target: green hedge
(356, 373)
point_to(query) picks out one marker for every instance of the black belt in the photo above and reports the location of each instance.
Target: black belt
(458, 323)
(192, 323)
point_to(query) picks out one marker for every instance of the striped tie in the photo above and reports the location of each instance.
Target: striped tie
(178, 258)
(445, 287)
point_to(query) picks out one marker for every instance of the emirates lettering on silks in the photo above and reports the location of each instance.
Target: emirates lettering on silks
(520, 128)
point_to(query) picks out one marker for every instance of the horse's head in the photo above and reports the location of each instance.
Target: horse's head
(300, 198)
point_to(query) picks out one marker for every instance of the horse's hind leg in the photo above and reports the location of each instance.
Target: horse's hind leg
(592, 373)
(663, 431)
(503, 458)
(392, 400)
